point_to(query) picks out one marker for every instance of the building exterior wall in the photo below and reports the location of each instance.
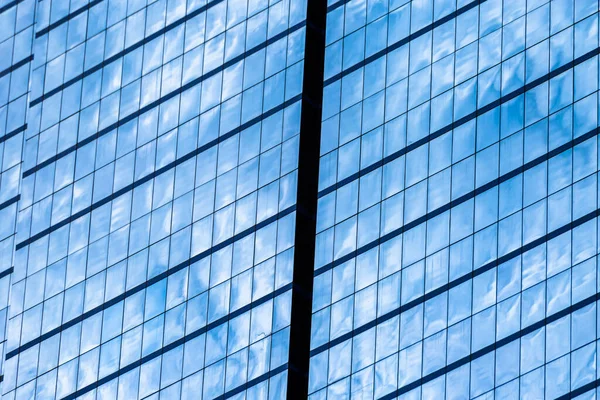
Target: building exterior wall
(269, 199)
(458, 216)
(155, 245)
(17, 28)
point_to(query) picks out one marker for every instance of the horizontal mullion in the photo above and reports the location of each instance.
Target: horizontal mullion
(161, 100)
(67, 18)
(400, 43)
(7, 272)
(492, 347)
(154, 174)
(456, 282)
(13, 133)
(16, 66)
(10, 201)
(178, 343)
(337, 4)
(579, 391)
(458, 201)
(151, 281)
(469, 117)
(10, 5)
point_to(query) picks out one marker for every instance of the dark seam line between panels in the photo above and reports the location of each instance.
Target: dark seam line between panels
(124, 52)
(252, 382)
(579, 391)
(496, 103)
(1, 378)
(306, 200)
(457, 282)
(162, 99)
(402, 42)
(151, 281)
(456, 202)
(15, 132)
(6, 272)
(16, 66)
(154, 174)
(10, 202)
(10, 5)
(178, 342)
(66, 18)
(488, 349)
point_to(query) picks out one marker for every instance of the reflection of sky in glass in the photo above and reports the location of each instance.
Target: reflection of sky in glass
(149, 173)
(456, 229)
(154, 234)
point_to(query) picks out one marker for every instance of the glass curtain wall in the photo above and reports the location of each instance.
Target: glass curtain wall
(16, 55)
(458, 201)
(268, 199)
(155, 236)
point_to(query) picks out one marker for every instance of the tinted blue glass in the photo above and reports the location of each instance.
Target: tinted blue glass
(472, 220)
(153, 239)
(150, 168)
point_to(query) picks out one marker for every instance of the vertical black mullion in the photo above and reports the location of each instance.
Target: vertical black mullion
(306, 200)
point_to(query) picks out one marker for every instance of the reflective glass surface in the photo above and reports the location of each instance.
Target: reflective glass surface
(166, 234)
(457, 226)
(16, 40)
(154, 244)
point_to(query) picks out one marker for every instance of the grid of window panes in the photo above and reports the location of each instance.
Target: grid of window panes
(16, 37)
(158, 201)
(457, 218)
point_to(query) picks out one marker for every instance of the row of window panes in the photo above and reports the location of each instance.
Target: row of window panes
(141, 20)
(412, 322)
(524, 191)
(15, 19)
(9, 181)
(500, 286)
(182, 211)
(16, 48)
(419, 120)
(140, 133)
(474, 379)
(466, 32)
(473, 171)
(222, 298)
(400, 288)
(188, 389)
(105, 359)
(186, 242)
(258, 189)
(247, 284)
(16, 110)
(14, 85)
(342, 21)
(177, 323)
(442, 349)
(111, 42)
(225, 86)
(157, 154)
(496, 124)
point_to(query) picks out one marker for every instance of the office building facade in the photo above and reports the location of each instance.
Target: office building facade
(457, 218)
(154, 232)
(267, 199)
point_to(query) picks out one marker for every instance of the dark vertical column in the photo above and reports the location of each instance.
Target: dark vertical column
(308, 177)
